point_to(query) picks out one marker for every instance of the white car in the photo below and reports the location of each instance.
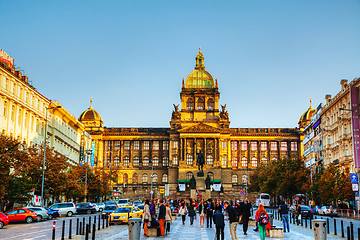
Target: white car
(124, 202)
(325, 210)
(97, 208)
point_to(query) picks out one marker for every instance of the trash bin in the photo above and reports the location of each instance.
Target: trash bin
(271, 219)
(319, 226)
(134, 228)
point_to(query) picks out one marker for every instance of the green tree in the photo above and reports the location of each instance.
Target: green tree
(328, 184)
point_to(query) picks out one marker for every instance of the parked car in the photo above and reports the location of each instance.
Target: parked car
(96, 207)
(124, 202)
(101, 206)
(42, 213)
(21, 215)
(109, 209)
(4, 220)
(85, 207)
(325, 210)
(111, 203)
(65, 209)
(53, 213)
(122, 214)
(306, 212)
(136, 203)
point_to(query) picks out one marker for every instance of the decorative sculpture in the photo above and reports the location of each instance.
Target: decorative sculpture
(200, 161)
(193, 182)
(207, 182)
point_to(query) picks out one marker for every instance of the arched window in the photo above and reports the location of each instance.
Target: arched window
(145, 178)
(136, 161)
(126, 161)
(210, 104)
(155, 161)
(189, 175)
(264, 160)
(190, 104)
(254, 162)
(244, 162)
(164, 178)
(189, 159)
(155, 178)
(209, 160)
(234, 161)
(126, 178)
(273, 159)
(135, 178)
(200, 104)
(234, 179)
(146, 161)
(116, 161)
(165, 162)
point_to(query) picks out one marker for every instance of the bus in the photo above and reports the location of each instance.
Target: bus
(264, 199)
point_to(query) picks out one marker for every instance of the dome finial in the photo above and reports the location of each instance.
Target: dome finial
(91, 101)
(310, 102)
(199, 49)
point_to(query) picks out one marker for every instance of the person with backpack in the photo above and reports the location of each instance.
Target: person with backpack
(262, 219)
(191, 210)
(232, 219)
(284, 213)
(219, 224)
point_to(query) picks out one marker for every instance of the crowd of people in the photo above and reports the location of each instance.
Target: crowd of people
(209, 211)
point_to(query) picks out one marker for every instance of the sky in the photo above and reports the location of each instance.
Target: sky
(270, 57)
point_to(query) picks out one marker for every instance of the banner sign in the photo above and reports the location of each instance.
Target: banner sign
(167, 193)
(182, 187)
(93, 155)
(354, 178)
(354, 100)
(217, 187)
(4, 57)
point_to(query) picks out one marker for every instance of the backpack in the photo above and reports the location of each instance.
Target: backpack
(263, 219)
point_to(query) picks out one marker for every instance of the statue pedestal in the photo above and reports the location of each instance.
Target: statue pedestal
(200, 183)
(206, 194)
(193, 194)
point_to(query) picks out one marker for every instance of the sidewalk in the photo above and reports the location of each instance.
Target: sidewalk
(193, 232)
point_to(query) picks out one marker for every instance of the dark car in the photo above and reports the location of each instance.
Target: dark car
(306, 212)
(53, 213)
(85, 208)
(109, 209)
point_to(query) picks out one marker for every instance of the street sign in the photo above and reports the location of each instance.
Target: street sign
(242, 193)
(356, 194)
(162, 190)
(355, 187)
(354, 178)
(297, 199)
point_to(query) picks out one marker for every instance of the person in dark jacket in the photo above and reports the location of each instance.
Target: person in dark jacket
(219, 224)
(232, 219)
(191, 210)
(218, 206)
(161, 218)
(209, 213)
(245, 214)
(152, 208)
(284, 213)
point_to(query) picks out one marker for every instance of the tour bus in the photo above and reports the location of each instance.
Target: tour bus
(264, 199)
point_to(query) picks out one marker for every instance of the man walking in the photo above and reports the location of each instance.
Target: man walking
(161, 218)
(233, 220)
(284, 212)
(219, 224)
(209, 213)
(245, 214)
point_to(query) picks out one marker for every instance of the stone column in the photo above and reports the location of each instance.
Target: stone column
(194, 152)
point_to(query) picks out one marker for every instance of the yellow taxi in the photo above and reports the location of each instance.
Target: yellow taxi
(122, 214)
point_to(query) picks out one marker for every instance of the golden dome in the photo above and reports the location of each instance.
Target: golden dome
(90, 115)
(199, 78)
(306, 117)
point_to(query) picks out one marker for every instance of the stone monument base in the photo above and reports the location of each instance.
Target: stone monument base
(193, 194)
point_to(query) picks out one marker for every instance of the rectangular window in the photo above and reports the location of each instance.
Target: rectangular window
(126, 145)
(165, 162)
(294, 146)
(254, 146)
(284, 146)
(234, 162)
(345, 130)
(263, 146)
(224, 161)
(5, 108)
(176, 144)
(136, 145)
(234, 145)
(117, 145)
(273, 146)
(146, 145)
(347, 152)
(243, 145)
(165, 145)
(223, 144)
(175, 161)
(155, 145)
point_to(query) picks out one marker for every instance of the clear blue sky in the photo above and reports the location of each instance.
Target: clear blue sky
(270, 57)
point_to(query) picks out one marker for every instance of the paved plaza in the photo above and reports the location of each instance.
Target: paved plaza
(187, 231)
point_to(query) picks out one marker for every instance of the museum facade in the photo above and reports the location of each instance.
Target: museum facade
(197, 124)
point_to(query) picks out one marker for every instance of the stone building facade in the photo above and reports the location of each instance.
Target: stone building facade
(198, 124)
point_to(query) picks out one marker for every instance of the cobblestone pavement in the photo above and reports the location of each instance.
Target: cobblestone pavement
(187, 231)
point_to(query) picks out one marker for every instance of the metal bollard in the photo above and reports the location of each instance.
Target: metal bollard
(87, 232)
(348, 233)
(327, 226)
(89, 224)
(80, 232)
(63, 231)
(99, 224)
(301, 219)
(70, 226)
(77, 226)
(352, 231)
(335, 230)
(107, 221)
(93, 232)
(342, 229)
(305, 222)
(103, 223)
(83, 230)
(310, 223)
(358, 233)
(53, 233)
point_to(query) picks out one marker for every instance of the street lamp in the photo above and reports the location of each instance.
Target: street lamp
(152, 178)
(356, 152)
(88, 153)
(43, 172)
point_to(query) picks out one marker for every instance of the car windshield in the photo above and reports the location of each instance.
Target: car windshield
(110, 208)
(141, 206)
(123, 210)
(306, 208)
(137, 203)
(326, 207)
(265, 197)
(82, 204)
(123, 201)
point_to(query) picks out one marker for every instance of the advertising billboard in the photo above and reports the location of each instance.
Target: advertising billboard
(354, 100)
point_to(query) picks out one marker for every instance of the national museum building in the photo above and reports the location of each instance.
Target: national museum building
(197, 124)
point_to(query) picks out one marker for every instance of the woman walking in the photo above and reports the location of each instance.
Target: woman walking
(262, 219)
(192, 212)
(183, 211)
(201, 209)
(146, 216)
(167, 218)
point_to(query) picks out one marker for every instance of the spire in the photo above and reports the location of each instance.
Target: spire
(216, 83)
(183, 84)
(200, 61)
(91, 102)
(310, 102)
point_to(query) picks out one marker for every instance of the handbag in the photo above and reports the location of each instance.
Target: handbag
(240, 220)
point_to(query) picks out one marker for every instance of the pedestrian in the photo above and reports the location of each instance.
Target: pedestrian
(238, 211)
(191, 210)
(232, 219)
(146, 216)
(161, 218)
(219, 224)
(167, 218)
(183, 211)
(201, 209)
(331, 211)
(284, 213)
(218, 206)
(245, 209)
(262, 219)
(209, 213)
(153, 209)
(298, 214)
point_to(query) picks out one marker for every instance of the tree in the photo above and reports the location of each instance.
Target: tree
(328, 184)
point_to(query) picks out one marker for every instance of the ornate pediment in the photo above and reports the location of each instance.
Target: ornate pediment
(200, 128)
